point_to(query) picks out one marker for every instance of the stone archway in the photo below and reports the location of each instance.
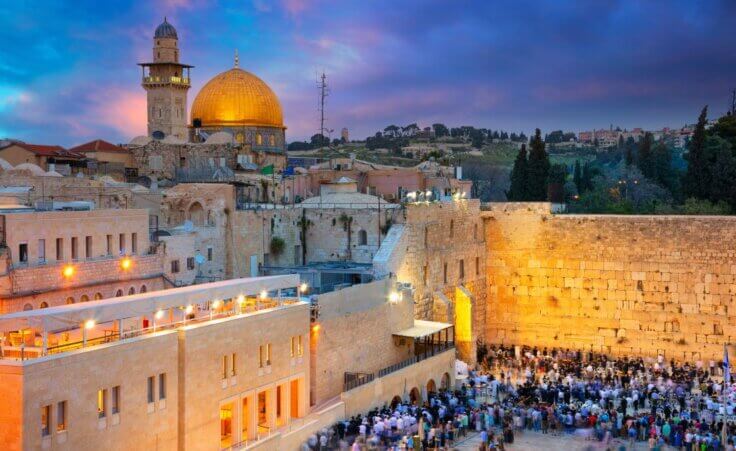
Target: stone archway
(395, 401)
(415, 396)
(445, 382)
(431, 387)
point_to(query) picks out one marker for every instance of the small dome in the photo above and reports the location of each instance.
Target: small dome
(165, 30)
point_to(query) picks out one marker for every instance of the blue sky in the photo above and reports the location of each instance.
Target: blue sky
(68, 70)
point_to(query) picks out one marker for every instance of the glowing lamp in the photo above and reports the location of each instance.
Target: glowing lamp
(189, 309)
(126, 263)
(315, 328)
(68, 271)
(241, 299)
(264, 294)
(303, 287)
(394, 297)
(216, 304)
(159, 314)
(89, 324)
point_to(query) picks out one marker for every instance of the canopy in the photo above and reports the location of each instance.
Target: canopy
(65, 316)
(422, 329)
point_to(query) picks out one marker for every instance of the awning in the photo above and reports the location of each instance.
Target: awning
(105, 310)
(423, 328)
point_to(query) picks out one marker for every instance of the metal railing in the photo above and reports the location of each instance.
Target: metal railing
(353, 380)
(174, 80)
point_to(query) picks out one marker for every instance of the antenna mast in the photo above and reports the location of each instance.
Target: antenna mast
(323, 92)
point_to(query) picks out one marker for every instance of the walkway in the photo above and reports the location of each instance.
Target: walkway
(532, 441)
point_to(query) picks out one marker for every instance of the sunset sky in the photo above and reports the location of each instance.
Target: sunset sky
(68, 70)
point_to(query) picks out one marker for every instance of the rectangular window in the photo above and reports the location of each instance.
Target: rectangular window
(121, 243)
(116, 399)
(134, 243)
(23, 252)
(61, 416)
(102, 403)
(264, 355)
(299, 346)
(233, 372)
(293, 347)
(75, 248)
(45, 420)
(444, 273)
(108, 250)
(190, 263)
(209, 254)
(477, 266)
(42, 251)
(268, 354)
(224, 366)
(174, 266)
(60, 249)
(162, 386)
(151, 389)
(461, 269)
(88, 247)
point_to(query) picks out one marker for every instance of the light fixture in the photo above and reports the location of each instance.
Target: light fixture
(89, 324)
(428, 193)
(126, 263)
(264, 294)
(241, 299)
(68, 271)
(216, 304)
(303, 287)
(394, 297)
(159, 314)
(189, 309)
(315, 328)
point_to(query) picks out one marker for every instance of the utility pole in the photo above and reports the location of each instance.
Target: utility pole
(323, 92)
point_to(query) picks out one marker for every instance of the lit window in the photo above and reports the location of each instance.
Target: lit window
(45, 420)
(61, 416)
(116, 399)
(259, 139)
(264, 355)
(224, 366)
(299, 347)
(232, 365)
(101, 403)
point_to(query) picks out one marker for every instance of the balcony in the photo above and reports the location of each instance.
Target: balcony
(152, 80)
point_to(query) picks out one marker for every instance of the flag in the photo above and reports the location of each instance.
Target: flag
(726, 366)
(267, 170)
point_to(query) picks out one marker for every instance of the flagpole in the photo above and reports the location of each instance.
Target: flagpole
(726, 383)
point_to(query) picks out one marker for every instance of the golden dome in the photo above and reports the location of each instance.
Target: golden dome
(237, 98)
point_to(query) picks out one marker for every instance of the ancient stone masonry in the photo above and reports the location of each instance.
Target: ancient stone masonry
(624, 285)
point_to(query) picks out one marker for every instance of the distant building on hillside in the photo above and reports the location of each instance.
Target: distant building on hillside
(345, 135)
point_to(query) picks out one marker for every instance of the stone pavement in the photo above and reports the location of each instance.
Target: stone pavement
(532, 441)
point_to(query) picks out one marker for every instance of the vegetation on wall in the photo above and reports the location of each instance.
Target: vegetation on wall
(277, 246)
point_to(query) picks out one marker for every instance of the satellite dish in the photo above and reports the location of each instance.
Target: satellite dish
(188, 226)
(199, 258)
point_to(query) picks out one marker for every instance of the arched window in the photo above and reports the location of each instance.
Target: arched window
(131, 291)
(196, 214)
(27, 307)
(84, 298)
(143, 289)
(118, 293)
(259, 139)
(362, 238)
(240, 138)
(44, 305)
(98, 296)
(70, 300)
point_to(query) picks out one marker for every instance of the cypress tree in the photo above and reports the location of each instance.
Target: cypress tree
(577, 177)
(695, 183)
(646, 158)
(538, 168)
(519, 177)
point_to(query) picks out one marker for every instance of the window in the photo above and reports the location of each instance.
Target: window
(174, 266)
(121, 244)
(131, 290)
(452, 228)
(70, 300)
(108, 250)
(475, 231)
(233, 372)
(272, 140)
(224, 366)
(162, 386)
(88, 247)
(23, 252)
(143, 289)
(264, 355)
(118, 293)
(101, 403)
(259, 139)
(296, 346)
(45, 420)
(44, 304)
(190, 263)
(461, 268)
(61, 416)
(133, 243)
(444, 273)
(477, 266)
(116, 399)
(59, 249)
(362, 238)
(151, 389)
(98, 296)
(75, 248)
(42, 251)
(209, 254)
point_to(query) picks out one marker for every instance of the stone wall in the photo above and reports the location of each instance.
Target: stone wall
(622, 285)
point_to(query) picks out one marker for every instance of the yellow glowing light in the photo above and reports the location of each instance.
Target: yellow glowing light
(159, 314)
(428, 193)
(89, 324)
(68, 271)
(264, 294)
(216, 304)
(189, 309)
(126, 263)
(463, 194)
(241, 299)
(303, 287)
(315, 328)
(394, 297)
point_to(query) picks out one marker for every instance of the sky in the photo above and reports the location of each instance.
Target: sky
(68, 70)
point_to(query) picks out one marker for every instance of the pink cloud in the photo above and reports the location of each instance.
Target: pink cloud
(295, 7)
(123, 110)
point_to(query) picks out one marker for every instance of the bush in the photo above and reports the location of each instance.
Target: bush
(277, 246)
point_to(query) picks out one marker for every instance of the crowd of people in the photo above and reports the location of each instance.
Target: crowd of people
(621, 403)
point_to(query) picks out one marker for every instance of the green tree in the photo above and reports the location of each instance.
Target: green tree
(519, 177)
(721, 170)
(696, 177)
(538, 169)
(663, 171)
(577, 177)
(646, 157)
(440, 130)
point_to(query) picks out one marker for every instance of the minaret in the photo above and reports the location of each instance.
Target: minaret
(166, 81)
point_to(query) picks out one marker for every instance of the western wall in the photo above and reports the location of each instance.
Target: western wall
(622, 285)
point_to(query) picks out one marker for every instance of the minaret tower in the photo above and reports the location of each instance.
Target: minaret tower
(166, 81)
